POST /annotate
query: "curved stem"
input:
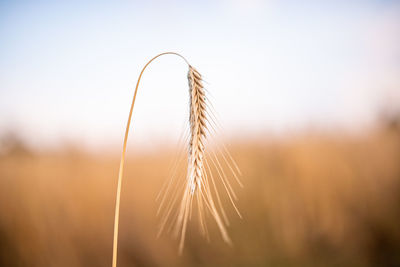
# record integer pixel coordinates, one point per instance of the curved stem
(121, 165)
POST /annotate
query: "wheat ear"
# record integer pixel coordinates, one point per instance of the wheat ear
(198, 180)
(121, 165)
(197, 120)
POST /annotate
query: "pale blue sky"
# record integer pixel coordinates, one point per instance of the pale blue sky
(67, 69)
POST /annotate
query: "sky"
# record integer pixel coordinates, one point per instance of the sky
(68, 68)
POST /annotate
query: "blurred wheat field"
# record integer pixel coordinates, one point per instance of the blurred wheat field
(308, 200)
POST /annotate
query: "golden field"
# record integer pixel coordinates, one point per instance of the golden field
(308, 200)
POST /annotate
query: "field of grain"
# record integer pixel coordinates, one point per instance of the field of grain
(308, 200)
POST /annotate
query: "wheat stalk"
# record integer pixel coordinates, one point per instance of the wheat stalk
(199, 175)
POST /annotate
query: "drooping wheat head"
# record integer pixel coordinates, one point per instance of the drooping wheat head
(199, 185)
(197, 122)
